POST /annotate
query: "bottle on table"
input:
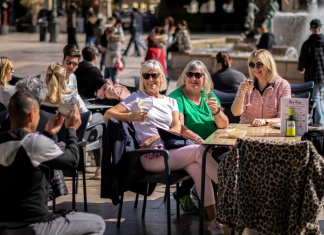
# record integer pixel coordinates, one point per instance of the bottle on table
(291, 124)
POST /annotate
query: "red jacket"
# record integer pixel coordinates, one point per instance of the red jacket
(152, 53)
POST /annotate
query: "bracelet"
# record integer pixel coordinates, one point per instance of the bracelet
(240, 98)
(198, 137)
(128, 116)
(218, 111)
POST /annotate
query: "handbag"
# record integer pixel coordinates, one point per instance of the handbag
(119, 65)
(172, 140)
(113, 91)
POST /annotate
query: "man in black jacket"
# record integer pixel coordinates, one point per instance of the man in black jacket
(25, 163)
(311, 64)
(89, 78)
(266, 39)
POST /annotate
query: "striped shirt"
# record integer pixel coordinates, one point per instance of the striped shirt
(268, 104)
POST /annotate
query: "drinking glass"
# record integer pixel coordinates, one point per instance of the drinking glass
(250, 83)
(145, 104)
(208, 96)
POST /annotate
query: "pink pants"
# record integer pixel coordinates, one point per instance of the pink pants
(188, 158)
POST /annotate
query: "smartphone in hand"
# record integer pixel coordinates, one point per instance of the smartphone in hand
(65, 108)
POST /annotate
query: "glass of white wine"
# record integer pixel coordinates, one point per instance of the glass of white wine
(145, 104)
(208, 96)
(250, 83)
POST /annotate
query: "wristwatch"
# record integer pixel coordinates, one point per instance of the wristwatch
(198, 137)
(267, 123)
(218, 111)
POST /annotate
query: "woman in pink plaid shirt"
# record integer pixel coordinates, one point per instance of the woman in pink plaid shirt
(266, 96)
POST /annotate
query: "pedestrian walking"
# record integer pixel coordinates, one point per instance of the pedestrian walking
(71, 24)
(133, 29)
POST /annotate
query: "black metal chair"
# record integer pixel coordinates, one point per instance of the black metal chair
(134, 172)
(227, 100)
(305, 95)
(3, 107)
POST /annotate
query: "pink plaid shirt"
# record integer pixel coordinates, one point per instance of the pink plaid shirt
(266, 106)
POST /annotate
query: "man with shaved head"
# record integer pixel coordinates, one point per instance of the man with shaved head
(25, 162)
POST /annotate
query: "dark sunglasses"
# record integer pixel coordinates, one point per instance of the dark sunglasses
(147, 76)
(196, 75)
(69, 62)
(259, 65)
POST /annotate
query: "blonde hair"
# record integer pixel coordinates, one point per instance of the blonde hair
(154, 65)
(6, 65)
(192, 66)
(265, 57)
(55, 83)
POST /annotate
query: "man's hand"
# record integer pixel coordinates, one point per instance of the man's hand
(54, 124)
(302, 72)
(73, 119)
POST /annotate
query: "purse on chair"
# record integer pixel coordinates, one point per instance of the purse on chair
(172, 140)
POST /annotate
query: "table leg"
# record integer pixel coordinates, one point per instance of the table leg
(202, 194)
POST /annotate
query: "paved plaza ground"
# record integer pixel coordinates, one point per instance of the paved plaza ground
(32, 57)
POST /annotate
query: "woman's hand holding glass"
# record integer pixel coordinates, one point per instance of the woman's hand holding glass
(213, 105)
(139, 116)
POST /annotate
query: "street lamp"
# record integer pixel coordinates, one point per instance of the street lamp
(54, 24)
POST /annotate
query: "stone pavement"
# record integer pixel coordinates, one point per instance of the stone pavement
(32, 57)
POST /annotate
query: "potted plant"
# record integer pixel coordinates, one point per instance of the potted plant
(34, 6)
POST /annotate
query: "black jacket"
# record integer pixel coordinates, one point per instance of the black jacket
(25, 165)
(89, 78)
(119, 138)
(266, 41)
(227, 79)
(312, 59)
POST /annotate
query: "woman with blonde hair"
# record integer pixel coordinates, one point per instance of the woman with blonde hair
(266, 96)
(6, 71)
(165, 114)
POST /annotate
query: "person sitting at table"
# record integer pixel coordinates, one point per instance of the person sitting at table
(227, 78)
(165, 114)
(57, 93)
(266, 96)
(193, 83)
(6, 71)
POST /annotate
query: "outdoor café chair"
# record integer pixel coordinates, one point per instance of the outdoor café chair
(226, 100)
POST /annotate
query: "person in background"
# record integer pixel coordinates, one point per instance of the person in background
(86, 17)
(169, 29)
(71, 24)
(70, 62)
(97, 31)
(119, 28)
(266, 39)
(110, 23)
(140, 29)
(6, 72)
(155, 51)
(133, 29)
(113, 53)
(269, 88)
(226, 78)
(194, 111)
(89, 78)
(311, 64)
(104, 41)
(90, 30)
(161, 36)
(181, 42)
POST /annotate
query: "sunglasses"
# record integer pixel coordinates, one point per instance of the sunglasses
(196, 75)
(147, 76)
(259, 65)
(69, 63)
(149, 62)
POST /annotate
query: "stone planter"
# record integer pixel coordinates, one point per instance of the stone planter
(4, 29)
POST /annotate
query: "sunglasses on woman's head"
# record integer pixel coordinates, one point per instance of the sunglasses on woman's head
(259, 65)
(196, 75)
(149, 61)
(69, 62)
(147, 76)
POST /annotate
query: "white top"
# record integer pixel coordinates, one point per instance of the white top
(73, 84)
(5, 94)
(159, 116)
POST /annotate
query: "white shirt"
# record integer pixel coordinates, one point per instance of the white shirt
(160, 114)
(5, 94)
(73, 84)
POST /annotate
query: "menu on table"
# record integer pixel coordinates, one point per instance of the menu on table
(300, 106)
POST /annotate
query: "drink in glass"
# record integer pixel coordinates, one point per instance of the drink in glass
(250, 83)
(208, 96)
(145, 104)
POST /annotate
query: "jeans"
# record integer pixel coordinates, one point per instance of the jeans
(72, 36)
(318, 96)
(90, 40)
(132, 40)
(77, 223)
(111, 73)
(138, 40)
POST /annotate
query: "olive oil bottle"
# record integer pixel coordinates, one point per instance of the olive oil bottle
(291, 124)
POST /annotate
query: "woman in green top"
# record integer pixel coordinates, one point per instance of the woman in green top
(194, 111)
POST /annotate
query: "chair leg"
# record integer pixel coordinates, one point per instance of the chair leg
(136, 200)
(165, 195)
(54, 204)
(167, 191)
(178, 207)
(84, 190)
(73, 191)
(145, 199)
(77, 183)
(120, 207)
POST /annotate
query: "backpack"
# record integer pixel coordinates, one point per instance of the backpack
(113, 91)
(317, 138)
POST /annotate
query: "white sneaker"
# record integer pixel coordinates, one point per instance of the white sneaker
(97, 175)
(215, 228)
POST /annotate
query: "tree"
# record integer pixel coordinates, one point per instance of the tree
(34, 6)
